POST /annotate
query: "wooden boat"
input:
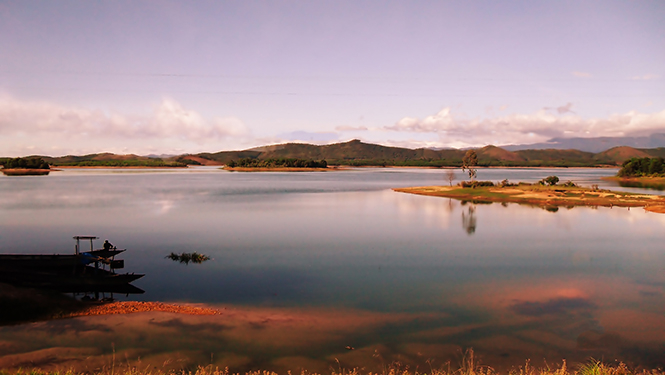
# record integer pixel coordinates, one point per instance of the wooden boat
(79, 271)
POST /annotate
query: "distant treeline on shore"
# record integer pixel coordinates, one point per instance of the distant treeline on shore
(357, 153)
(156, 163)
(24, 163)
(643, 167)
(277, 163)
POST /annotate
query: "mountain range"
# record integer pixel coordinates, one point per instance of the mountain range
(357, 153)
(596, 144)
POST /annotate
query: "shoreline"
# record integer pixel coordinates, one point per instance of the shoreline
(544, 196)
(130, 307)
(25, 171)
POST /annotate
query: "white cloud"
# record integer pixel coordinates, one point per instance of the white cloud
(458, 131)
(646, 77)
(582, 74)
(47, 127)
(308, 137)
(346, 128)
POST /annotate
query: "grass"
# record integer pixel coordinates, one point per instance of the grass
(544, 196)
(657, 183)
(468, 366)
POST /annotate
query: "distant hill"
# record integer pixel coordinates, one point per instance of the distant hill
(110, 160)
(357, 153)
(596, 144)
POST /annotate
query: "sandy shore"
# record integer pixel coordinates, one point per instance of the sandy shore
(129, 307)
(544, 196)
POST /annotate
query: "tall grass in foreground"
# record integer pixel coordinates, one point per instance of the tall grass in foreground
(467, 367)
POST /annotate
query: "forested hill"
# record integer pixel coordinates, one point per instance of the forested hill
(357, 153)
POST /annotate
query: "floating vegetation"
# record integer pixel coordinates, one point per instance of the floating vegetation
(188, 257)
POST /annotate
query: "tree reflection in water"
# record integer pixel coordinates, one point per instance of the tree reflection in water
(469, 220)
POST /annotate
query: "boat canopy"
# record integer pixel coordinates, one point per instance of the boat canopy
(78, 238)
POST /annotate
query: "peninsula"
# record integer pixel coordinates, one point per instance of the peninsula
(548, 197)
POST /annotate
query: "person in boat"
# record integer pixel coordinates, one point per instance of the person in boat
(107, 245)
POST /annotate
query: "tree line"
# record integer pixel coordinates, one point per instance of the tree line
(24, 163)
(643, 167)
(277, 163)
(122, 163)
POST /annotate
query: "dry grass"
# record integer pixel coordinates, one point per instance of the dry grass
(544, 196)
(468, 366)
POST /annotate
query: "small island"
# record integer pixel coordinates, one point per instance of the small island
(546, 194)
(276, 165)
(32, 166)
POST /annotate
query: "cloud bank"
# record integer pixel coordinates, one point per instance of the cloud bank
(41, 127)
(459, 131)
(30, 127)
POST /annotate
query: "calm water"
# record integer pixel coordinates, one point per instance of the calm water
(308, 263)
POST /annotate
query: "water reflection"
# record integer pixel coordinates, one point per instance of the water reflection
(309, 264)
(637, 184)
(469, 219)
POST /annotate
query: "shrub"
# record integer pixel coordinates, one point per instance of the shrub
(549, 181)
(505, 183)
(475, 184)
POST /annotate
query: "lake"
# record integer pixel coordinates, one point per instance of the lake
(305, 265)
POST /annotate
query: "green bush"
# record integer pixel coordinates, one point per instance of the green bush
(549, 181)
(25, 163)
(276, 163)
(475, 184)
(639, 167)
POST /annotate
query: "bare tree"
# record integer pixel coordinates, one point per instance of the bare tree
(450, 175)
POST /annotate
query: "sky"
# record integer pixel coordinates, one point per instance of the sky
(174, 77)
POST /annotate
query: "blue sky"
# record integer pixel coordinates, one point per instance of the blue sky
(175, 77)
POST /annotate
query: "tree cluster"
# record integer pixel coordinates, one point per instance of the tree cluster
(642, 167)
(549, 181)
(123, 163)
(25, 163)
(277, 163)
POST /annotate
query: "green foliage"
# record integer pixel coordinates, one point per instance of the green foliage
(277, 163)
(469, 161)
(155, 163)
(186, 258)
(25, 163)
(549, 181)
(506, 183)
(185, 160)
(475, 184)
(643, 167)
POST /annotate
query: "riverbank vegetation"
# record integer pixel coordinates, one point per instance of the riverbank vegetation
(643, 167)
(645, 172)
(546, 193)
(147, 163)
(278, 163)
